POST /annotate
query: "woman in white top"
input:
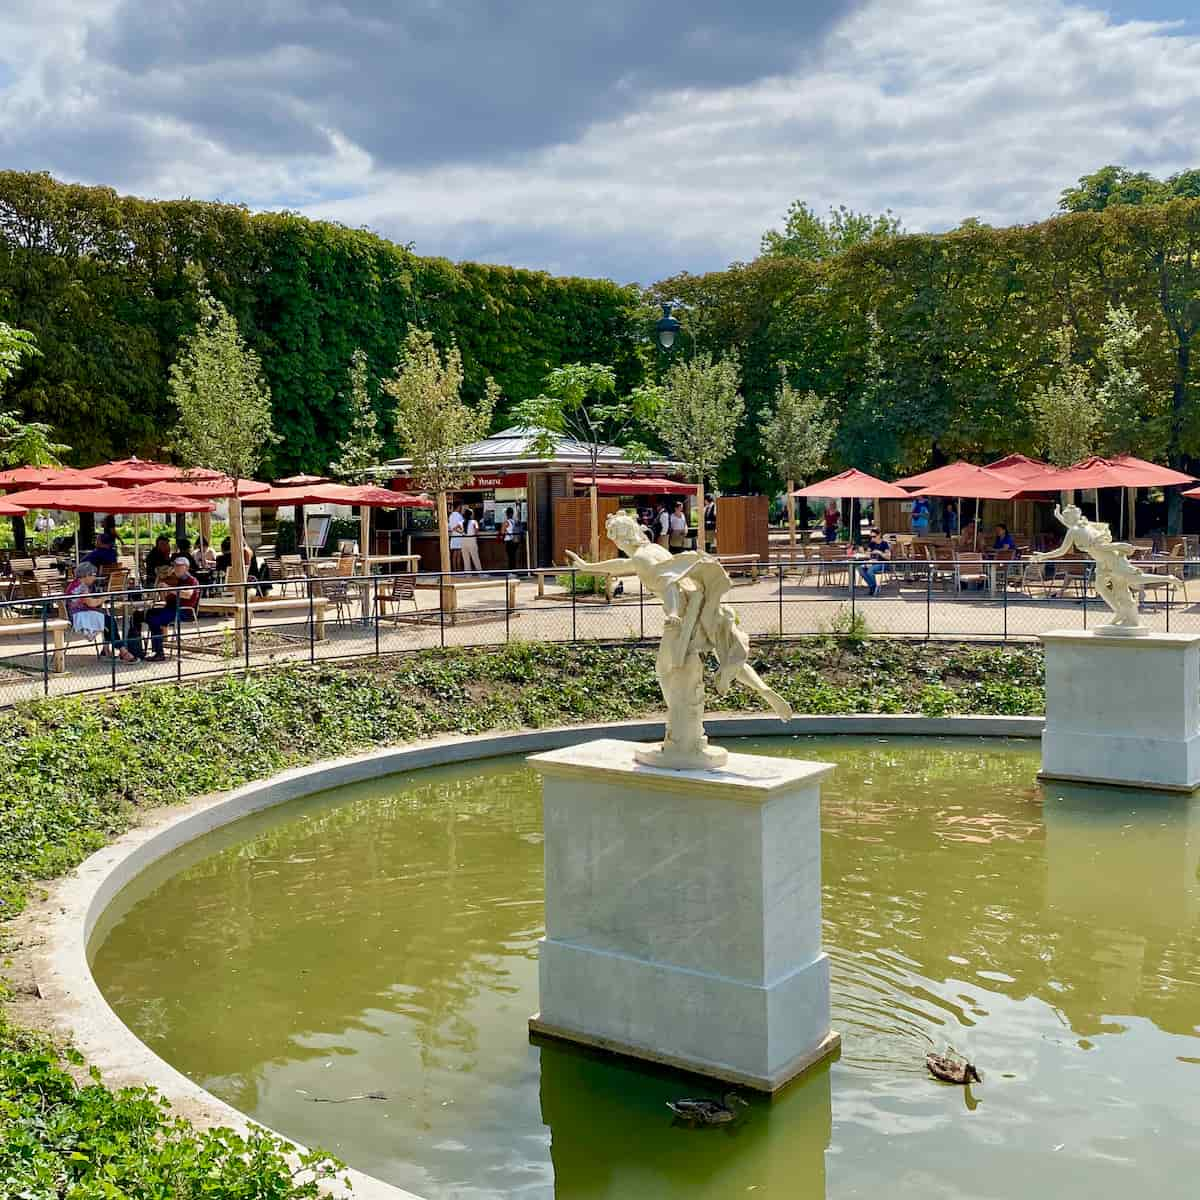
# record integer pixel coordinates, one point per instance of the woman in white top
(677, 530)
(470, 543)
(454, 528)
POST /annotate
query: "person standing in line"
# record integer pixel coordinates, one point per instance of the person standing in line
(662, 525)
(677, 530)
(455, 528)
(832, 518)
(710, 520)
(920, 516)
(470, 543)
(511, 536)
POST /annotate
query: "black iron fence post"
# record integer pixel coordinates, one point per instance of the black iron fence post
(574, 605)
(312, 622)
(113, 639)
(507, 613)
(245, 624)
(642, 609)
(853, 573)
(928, 600)
(1004, 596)
(442, 607)
(46, 650)
(178, 646)
(781, 600)
(369, 582)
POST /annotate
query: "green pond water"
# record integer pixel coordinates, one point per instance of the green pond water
(383, 938)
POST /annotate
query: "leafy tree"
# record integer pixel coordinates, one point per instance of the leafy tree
(1123, 394)
(1069, 420)
(806, 236)
(701, 410)
(433, 423)
(224, 407)
(362, 447)
(1111, 185)
(581, 401)
(796, 437)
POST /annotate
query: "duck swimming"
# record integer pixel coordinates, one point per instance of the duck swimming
(707, 1112)
(951, 1067)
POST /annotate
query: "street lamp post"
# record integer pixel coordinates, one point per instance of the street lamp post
(666, 332)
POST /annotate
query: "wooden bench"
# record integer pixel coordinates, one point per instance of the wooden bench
(543, 573)
(56, 628)
(740, 562)
(243, 612)
(450, 589)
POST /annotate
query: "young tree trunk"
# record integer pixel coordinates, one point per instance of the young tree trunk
(791, 515)
(594, 498)
(237, 544)
(1179, 399)
(443, 533)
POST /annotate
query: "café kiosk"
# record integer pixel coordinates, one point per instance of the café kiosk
(507, 473)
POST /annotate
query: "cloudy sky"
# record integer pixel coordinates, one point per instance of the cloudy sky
(633, 141)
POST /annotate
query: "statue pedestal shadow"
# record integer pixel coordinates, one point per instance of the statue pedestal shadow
(683, 913)
(1123, 710)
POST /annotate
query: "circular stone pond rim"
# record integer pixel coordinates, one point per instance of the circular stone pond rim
(77, 1011)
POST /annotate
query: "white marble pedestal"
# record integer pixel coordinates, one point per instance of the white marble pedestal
(683, 912)
(1123, 710)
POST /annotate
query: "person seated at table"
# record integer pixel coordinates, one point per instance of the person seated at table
(105, 552)
(85, 608)
(183, 549)
(181, 598)
(158, 556)
(878, 552)
(206, 556)
(1004, 539)
(254, 569)
(966, 539)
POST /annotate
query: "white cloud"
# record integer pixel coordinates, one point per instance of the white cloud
(985, 108)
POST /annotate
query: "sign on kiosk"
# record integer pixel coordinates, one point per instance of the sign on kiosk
(477, 483)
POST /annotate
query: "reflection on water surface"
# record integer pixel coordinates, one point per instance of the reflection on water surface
(383, 938)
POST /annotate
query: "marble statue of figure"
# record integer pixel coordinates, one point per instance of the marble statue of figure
(1118, 581)
(696, 620)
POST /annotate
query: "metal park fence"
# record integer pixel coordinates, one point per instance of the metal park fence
(311, 618)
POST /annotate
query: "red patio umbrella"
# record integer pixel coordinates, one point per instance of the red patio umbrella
(634, 485)
(853, 485)
(1121, 471)
(965, 481)
(210, 487)
(301, 480)
(104, 499)
(7, 509)
(1019, 466)
(61, 477)
(106, 470)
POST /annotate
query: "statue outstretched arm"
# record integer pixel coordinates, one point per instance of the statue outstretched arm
(606, 566)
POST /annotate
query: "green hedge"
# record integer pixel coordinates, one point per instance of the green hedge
(102, 280)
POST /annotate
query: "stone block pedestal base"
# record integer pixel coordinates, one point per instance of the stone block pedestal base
(683, 913)
(1123, 711)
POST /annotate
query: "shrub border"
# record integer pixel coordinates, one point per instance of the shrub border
(73, 1007)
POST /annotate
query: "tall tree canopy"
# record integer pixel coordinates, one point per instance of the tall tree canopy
(808, 236)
